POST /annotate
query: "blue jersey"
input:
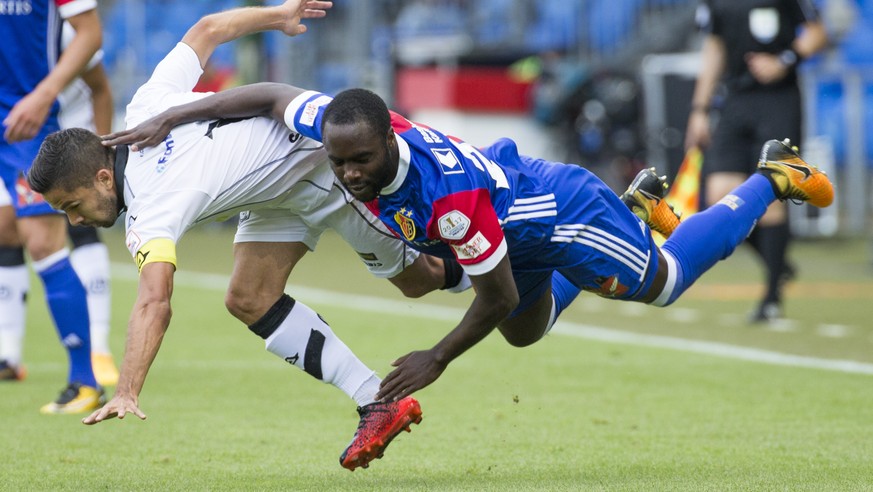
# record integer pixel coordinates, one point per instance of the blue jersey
(452, 200)
(30, 42)
(30, 45)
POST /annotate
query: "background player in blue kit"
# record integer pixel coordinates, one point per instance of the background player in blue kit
(34, 72)
(85, 103)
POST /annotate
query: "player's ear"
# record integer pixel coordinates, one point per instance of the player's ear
(104, 178)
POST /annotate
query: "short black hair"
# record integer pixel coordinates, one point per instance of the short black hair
(68, 159)
(353, 105)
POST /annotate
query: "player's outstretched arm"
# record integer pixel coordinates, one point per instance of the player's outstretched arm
(216, 29)
(267, 99)
(496, 297)
(207, 34)
(148, 323)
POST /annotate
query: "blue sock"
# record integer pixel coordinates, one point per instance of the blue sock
(563, 293)
(67, 302)
(712, 235)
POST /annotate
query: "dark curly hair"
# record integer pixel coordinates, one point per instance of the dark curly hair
(353, 105)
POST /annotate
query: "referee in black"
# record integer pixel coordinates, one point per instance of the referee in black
(754, 48)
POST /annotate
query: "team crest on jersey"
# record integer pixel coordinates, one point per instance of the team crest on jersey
(608, 287)
(403, 217)
(449, 162)
(454, 225)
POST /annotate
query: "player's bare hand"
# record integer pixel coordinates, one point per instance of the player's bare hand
(302, 9)
(413, 372)
(147, 134)
(119, 406)
(27, 116)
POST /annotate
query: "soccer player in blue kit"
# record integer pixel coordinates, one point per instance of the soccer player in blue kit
(531, 234)
(34, 72)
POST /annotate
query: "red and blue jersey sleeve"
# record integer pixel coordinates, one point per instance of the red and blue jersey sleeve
(70, 8)
(304, 113)
(467, 222)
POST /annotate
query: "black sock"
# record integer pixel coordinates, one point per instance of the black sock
(454, 273)
(772, 244)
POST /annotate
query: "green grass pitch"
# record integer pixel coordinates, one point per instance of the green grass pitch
(569, 413)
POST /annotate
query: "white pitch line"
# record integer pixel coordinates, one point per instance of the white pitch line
(419, 309)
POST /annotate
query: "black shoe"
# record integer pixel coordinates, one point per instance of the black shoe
(9, 372)
(767, 312)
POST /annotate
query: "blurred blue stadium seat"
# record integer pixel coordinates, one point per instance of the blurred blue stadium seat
(830, 119)
(556, 27)
(493, 22)
(611, 22)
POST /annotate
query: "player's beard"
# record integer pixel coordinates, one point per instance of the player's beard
(108, 211)
(381, 177)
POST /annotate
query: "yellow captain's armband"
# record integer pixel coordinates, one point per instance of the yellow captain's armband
(160, 249)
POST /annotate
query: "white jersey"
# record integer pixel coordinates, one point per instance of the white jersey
(210, 170)
(77, 110)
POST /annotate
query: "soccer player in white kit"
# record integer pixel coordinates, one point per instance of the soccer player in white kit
(212, 170)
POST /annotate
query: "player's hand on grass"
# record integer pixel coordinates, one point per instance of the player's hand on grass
(414, 371)
(118, 406)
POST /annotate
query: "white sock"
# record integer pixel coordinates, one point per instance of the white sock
(14, 283)
(306, 341)
(91, 263)
(553, 316)
(366, 394)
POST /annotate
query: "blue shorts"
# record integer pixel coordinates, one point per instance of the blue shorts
(597, 243)
(15, 160)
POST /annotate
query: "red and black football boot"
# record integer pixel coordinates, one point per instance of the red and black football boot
(380, 423)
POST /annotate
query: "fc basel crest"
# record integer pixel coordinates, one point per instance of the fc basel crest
(403, 217)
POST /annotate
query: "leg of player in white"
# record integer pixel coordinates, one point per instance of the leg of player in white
(268, 245)
(14, 283)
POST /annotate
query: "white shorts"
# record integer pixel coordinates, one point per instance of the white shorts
(384, 254)
(5, 197)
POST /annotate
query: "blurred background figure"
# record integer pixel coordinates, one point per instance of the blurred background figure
(35, 71)
(755, 47)
(84, 103)
(87, 103)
